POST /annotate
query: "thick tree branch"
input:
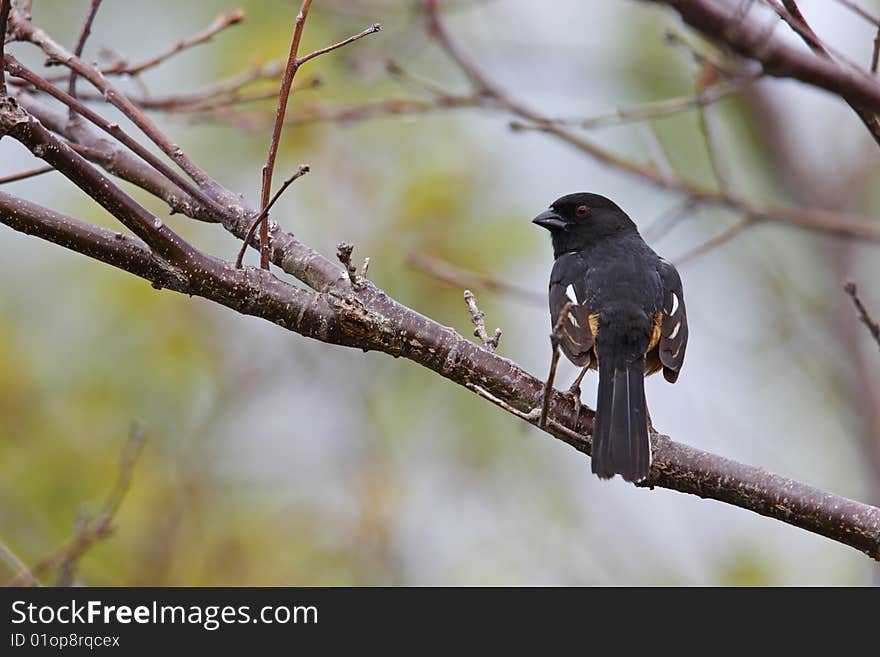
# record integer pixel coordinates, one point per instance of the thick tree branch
(745, 36)
(26, 31)
(78, 109)
(368, 319)
(799, 24)
(19, 124)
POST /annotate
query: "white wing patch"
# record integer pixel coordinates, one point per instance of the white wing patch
(569, 292)
(674, 305)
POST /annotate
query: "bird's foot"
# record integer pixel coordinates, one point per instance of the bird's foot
(545, 409)
(575, 393)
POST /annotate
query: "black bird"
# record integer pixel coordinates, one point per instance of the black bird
(626, 318)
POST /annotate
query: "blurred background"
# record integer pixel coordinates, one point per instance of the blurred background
(274, 460)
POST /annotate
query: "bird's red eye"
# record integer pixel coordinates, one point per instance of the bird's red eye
(582, 211)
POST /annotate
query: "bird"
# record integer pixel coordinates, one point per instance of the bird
(616, 307)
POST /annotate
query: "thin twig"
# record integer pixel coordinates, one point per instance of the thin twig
(478, 317)
(875, 56)
(343, 254)
(456, 276)
(852, 6)
(23, 574)
(93, 532)
(17, 69)
(302, 170)
(661, 108)
(532, 417)
(80, 45)
(118, 99)
(669, 219)
(719, 240)
(283, 96)
(212, 97)
(220, 23)
(711, 140)
(873, 326)
(30, 173)
(657, 151)
(5, 5)
(315, 113)
(375, 27)
(67, 568)
(809, 218)
(290, 69)
(704, 57)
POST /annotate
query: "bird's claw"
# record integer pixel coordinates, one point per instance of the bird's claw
(575, 393)
(545, 408)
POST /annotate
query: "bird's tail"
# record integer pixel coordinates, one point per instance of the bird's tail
(620, 437)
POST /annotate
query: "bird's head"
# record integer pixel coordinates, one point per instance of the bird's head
(577, 221)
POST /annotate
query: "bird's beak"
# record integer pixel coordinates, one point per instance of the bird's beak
(550, 220)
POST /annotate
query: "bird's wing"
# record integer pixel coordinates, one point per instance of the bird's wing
(576, 331)
(673, 324)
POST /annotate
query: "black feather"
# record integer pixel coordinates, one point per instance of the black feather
(621, 444)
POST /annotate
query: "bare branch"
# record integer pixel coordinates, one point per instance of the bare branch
(5, 6)
(287, 252)
(31, 133)
(661, 108)
(364, 317)
(842, 225)
(302, 170)
(343, 254)
(745, 37)
(23, 574)
(478, 317)
(718, 240)
(283, 96)
(88, 533)
(377, 322)
(866, 319)
(220, 23)
(456, 276)
(375, 27)
(81, 44)
(808, 218)
(322, 113)
(875, 56)
(290, 70)
(852, 6)
(799, 24)
(30, 173)
(114, 96)
(17, 69)
(116, 159)
(117, 249)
